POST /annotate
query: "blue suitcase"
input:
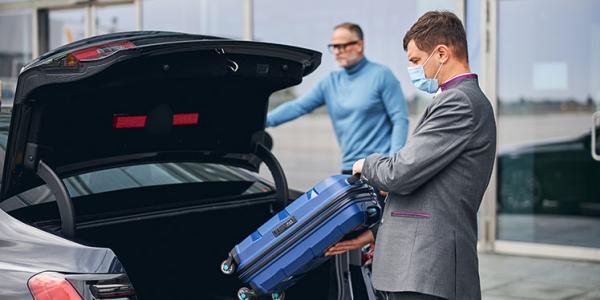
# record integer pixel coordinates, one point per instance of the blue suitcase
(293, 241)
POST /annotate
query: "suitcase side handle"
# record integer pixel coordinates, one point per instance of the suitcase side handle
(354, 178)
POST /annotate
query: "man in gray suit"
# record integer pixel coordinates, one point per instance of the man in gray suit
(427, 239)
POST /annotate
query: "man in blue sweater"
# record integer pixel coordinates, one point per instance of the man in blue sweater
(364, 101)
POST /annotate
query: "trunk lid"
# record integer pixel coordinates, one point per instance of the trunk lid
(142, 97)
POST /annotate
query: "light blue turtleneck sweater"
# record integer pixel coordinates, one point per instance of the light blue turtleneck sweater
(366, 106)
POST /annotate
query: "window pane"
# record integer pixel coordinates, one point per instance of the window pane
(209, 17)
(15, 26)
(548, 89)
(115, 18)
(66, 26)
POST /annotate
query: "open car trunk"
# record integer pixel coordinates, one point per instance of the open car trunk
(141, 98)
(178, 257)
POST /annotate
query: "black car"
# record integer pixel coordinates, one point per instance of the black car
(131, 169)
(559, 177)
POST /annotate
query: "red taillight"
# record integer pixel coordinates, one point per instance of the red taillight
(52, 286)
(129, 121)
(185, 119)
(97, 52)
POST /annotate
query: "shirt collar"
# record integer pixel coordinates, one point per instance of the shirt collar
(456, 79)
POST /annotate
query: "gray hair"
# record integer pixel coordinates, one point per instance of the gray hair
(354, 28)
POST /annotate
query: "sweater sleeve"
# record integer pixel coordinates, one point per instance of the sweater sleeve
(298, 107)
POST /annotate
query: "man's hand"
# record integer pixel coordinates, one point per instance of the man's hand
(355, 243)
(358, 166)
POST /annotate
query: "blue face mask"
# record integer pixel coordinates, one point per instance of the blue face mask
(418, 79)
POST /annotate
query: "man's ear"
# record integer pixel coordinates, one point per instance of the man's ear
(361, 44)
(444, 53)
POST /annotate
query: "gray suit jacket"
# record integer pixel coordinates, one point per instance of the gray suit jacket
(427, 240)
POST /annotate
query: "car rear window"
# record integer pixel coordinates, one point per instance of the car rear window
(4, 124)
(148, 175)
(159, 174)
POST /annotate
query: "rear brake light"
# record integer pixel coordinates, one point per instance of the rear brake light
(97, 52)
(140, 121)
(185, 119)
(52, 286)
(129, 121)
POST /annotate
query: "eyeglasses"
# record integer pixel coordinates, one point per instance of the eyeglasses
(341, 47)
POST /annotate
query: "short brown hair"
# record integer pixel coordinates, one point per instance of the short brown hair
(439, 27)
(354, 28)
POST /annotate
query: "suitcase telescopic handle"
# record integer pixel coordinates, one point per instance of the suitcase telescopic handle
(354, 178)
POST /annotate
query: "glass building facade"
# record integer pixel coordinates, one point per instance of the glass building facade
(541, 73)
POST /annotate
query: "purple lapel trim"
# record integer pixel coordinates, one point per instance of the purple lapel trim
(410, 214)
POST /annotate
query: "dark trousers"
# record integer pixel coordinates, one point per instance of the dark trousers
(408, 296)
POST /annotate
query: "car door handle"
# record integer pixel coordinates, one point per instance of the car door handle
(595, 119)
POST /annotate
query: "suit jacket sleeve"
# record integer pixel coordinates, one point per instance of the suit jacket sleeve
(438, 140)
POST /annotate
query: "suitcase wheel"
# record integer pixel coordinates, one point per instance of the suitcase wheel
(246, 294)
(227, 267)
(278, 296)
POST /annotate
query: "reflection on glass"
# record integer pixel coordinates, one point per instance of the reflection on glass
(66, 26)
(158, 174)
(549, 176)
(236, 181)
(221, 18)
(597, 124)
(548, 89)
(117, 18)
(15, 50)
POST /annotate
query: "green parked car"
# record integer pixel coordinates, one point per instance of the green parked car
(558, 177)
